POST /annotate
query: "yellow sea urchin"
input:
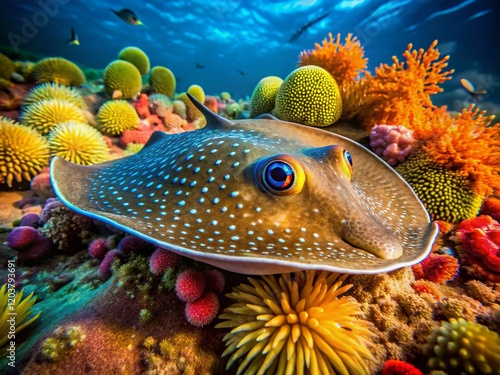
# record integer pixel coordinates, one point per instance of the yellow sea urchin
(59, 70)
(23, 152)
(264, 95)
(116, 116)
(309, 96)
(54, 91)
(120, 75)
(79, 143)
(20, 307)
(296, 325)
(162, 80)
(44, 115)
(137, 57)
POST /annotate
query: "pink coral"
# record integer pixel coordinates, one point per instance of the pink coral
(105, 270)
(190, 285)
(155, 123)
(203, 310)
(211, 103)
(141, 106)
(480, 246)
(161, 260)
(98, 248)
(391, 143)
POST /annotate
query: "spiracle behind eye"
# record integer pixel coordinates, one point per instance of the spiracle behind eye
(278, 175)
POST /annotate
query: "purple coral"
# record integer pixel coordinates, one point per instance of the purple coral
(30, 220)
(30, 244)
(98, 248)
(136, 245)
(392, 143)
(105, 268)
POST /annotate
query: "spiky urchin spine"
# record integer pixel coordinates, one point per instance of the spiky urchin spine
(116, 116)
(296, 325)
(79, 143)
(445, 194)
(59, 70)
(52, 90)
(23, 152)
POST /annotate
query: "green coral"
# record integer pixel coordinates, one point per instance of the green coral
(264, 95)
(445, 194)
(122, 76)
(61, 343)
(55, 91)
(309, 96)
(45, 115)
(59, 70)
(12, 302)
(137, 57)
(162, 80)
(116, 116)
(7, 67)
(463, 347)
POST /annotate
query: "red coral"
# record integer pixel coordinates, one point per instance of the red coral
(491, 206)
(438, 268)
(395, 367)
(203, 310)
(480, 246)
(424, 286)
(141, 105)
(135, 136)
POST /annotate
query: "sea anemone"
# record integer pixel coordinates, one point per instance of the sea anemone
(59, 70)
(197, 92)
(79, 143)
(296, 324)
(57, 91)
(460, 346)
(309, 96)
(7, 67)
(122, 76)
(116, 116)
(162, 80)
(19, 307)
(137, 57)
(45, 115)
(23, 152)
(446, 194)
(264, 95)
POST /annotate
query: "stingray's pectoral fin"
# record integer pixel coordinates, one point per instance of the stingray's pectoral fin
(372, 237)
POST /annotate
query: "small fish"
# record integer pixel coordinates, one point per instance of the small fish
(199, 66)
(128, 16)
(300, 31)
(241, 72)
(74, 38)
(475, 93)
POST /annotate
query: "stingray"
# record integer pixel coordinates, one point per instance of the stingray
(257, 196)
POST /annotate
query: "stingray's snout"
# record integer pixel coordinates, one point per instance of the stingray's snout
(373, 237)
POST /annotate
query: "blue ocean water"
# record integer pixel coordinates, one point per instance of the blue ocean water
(238, 42)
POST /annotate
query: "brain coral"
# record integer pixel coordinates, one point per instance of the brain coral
(79, 143)
(309, 96)
(122, 76)
(52, 90)
(59, 70)
(264, 95)
(296, 325)
(162, 80)
(116, 116)
(23, 152)
(446, 194)
(462, 347)
(44, 115)
(137, 57)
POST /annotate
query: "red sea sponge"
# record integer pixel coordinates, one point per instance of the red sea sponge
(438, 268)
(491, 207)
(161, 260)
(30, 244)
(203, 310)
(211, 103)
(480, 246)
(141, 106)
(105, 270)
(214, 280)
(133, 244)
(98, 248)
(395, 367)
(190, 285)
(392, 143)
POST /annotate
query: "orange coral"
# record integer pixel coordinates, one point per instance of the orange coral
(399, 94)
(438, 268)
(424, 286)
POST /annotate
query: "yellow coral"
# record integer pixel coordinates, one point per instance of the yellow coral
(124, 77)
(116, 116)
(59, 70)
(198, 92)
(137, 57)
(264, 95)
(162, 80)
(54, 91)
(296, 325)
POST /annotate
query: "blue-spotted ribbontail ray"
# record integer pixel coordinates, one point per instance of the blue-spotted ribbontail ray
(257, 197)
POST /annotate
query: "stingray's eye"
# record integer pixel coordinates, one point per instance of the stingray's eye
(281, 175)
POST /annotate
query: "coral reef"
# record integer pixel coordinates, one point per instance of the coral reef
(45, 115)
(30, 244)
(161, 260)
(137, 57)
(63, 339)
(190, 285)
(42, 186)
(214, 280)
(211, 103)
(491, 207)
(23, 152)
(134, 245)
(203, 310)
(162, 80)
(106, 265)
(193, 115)
(198, 92)
(78, 143)
(459, 346)
(309, 96)
(141, 105)
(12, 302)
(438, 268)
(116, 116)
(391, 143)
(264, 96)
(277, 324)
(98, 248)
(57, 91)
(59, 70)
(122, 77)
